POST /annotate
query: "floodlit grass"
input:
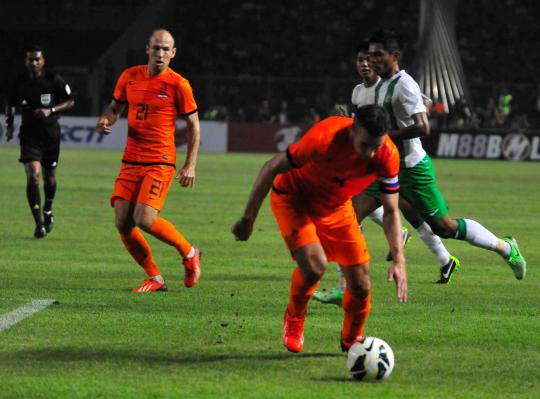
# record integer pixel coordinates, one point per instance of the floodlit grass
(476, 338)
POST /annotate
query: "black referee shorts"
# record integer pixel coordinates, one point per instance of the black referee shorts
(40, 144)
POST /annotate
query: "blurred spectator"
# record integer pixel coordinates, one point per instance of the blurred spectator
(340, 108)
(490, 116)
(312, 117)
(263, 112)
(439, 114)
(504, 105)
(520, 122)
(283, 114)
(537, 109)
(239, 115)
(210, 114)
(216, 113)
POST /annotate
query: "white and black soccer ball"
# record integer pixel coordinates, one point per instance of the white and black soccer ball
(370, 360)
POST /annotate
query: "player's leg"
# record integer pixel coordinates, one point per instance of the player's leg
(311, 261)
(429, 201)
(448, 264)
(150, 199)
(419, 188)
(356, 304)
(147, 219)
(137, 246)
(365, 204)
(49, 188)
(476, 234)
(49, 163)
(344, 243)
(300, 236)
(33, 173)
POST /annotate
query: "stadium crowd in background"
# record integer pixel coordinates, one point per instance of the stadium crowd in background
(233, 71)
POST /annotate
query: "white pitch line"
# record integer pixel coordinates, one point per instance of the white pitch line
(10, 319)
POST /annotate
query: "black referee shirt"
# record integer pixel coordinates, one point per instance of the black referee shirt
(43, 92)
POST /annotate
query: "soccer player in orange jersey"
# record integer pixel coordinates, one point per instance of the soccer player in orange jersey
(312, 186)
(155, 96)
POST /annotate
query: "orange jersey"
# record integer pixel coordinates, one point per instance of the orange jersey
(328, 172)
(155, 102)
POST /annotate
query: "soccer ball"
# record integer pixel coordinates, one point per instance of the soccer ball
(370, 360)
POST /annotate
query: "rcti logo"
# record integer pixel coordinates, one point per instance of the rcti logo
(516, 147)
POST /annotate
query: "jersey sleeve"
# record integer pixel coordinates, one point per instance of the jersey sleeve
(63, 91)
(119, 94)
(410, 98)
(185, 102)
(308, 148)
(388, 170)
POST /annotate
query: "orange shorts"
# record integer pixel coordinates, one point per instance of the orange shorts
(145, 184)
(337, 231)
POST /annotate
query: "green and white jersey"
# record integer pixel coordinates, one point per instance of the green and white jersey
(363, 95)
(400, 96)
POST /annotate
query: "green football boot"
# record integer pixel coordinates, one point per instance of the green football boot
(447, 270)
(333, 297)
(515, 260)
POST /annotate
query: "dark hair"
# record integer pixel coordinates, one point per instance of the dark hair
(389, 39)
(34, 48)
(373, 118)
(363, 46)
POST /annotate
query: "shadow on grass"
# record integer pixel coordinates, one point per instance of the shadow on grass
(247, 277)
(111, 355)
(336, 379)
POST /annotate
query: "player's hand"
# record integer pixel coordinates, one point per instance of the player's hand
(397, 273)
(427, 103)
(102, 126)
(341, 111)
(242, 229)
(42, 113)
(186, 176)
(9, 132)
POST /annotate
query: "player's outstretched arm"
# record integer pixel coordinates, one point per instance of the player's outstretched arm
(186, 175)
(392, 230)
(109, 117)
(279, 164)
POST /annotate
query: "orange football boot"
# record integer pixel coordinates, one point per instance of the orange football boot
(150, 285)
(192, 268)
(293, 333)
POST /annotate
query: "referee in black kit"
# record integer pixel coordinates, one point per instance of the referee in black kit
(42, 95)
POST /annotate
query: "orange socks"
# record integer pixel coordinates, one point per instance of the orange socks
(164, 231)
(139, 249)
(356, 313)
(301, 293)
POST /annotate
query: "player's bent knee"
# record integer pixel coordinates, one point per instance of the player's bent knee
(32, 178)
(443, 230)
(360, 288)
(313, 274)
(143, 220)
(123, 226)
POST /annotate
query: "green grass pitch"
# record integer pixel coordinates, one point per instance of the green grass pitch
(478, 337)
